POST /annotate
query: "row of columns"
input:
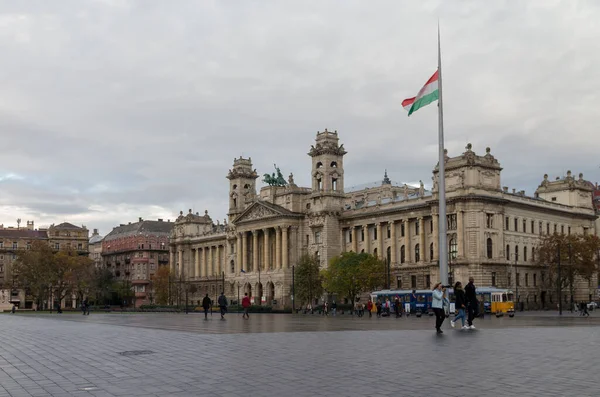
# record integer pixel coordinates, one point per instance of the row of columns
(407, 240)
(201, 261)
(280, 258)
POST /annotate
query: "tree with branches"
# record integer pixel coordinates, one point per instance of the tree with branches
(351, 274)
(578, 256)
(308, 280)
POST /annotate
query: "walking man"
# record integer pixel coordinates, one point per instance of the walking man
(246, 306)
(223, 305)
(206, 303)
(333, 308)
(397, 307)
(472, 303)
(437, 304)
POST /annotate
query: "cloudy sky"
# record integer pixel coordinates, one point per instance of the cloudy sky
(113, 110)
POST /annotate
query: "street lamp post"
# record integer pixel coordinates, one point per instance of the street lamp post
(293, 289)
(559, 285)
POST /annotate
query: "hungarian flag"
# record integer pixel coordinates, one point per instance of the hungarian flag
(426, 95)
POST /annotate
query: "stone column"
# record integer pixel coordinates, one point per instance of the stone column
(238, 264)
(423, 249)
(210, 264)
(255, 263)
(245, 251)
(205, 261)
(266, 249)
(197, 262)
(407, 242)
(343, 240)
(367, 239)
(277, 248)
(394, 259)
(354, 232)
(218, 260)
(436, 238)
(180, 270)
(460, 231)
(284, 247)
(380, 240)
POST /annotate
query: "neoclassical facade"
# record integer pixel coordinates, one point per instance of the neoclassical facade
(492, 232)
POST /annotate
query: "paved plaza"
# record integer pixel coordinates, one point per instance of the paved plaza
(303, 355)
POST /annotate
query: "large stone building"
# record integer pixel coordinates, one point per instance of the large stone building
(133, 253)
(14, 239)
(95, 249)
(492, 232)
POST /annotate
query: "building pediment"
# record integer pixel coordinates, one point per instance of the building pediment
(260, 210)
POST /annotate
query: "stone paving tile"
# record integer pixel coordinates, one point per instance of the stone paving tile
(334, 357)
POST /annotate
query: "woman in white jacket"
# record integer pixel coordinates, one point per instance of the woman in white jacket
(437, 304)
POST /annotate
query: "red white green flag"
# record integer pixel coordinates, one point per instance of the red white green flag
(426, 95)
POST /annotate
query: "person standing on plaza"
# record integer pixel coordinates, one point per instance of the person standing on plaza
(325, 309)
(85, 307)
(333, 308)
(378, 305)
(223, 305)
(206, 303)
(370, 308)
(437, 304)
(460, 303)
(246, 305)
(472, 303)
(397, 306)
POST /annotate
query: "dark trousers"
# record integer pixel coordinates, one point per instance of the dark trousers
(206, 313)
(471, 315)
(223, 310)
(397, 310)
(440, 316)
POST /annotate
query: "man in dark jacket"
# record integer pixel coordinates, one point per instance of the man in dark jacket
(223, 305)
(472, 304)
(206, 306)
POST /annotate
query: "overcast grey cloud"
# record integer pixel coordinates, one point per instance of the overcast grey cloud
(111, 110)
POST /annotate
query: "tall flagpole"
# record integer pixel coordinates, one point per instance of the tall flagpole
(443, 245)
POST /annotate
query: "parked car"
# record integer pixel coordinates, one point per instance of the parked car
(592, 306)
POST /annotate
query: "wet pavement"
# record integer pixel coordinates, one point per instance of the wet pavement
(155, 354)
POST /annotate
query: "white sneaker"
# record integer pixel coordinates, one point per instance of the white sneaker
(465, 327)
(472, 327)
(452, 323)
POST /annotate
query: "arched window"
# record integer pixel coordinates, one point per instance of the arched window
(417, 253)
(507, 252)
(402, 254)
(319, 164)
(334, 164)
(516, 252)
(489, 248)
(234, 187)
(319, 184)
(525, 254)
(334, 183)
(452, 249)
(431, 252)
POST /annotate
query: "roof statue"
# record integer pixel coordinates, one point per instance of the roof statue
(276, 179)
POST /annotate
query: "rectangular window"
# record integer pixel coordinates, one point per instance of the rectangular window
(402, 229)
(56, 246)
(507, 223)
(431, 226)
(518, 279)
(540, 231)
(427, 281)
(489, 221)
(307, 239)
(1, 244)
(389, 231)
(524, 226)
(413, 282)
(318, 237)
(493, 279)
(562, 229)
(399, 282)
(527, 279)
(28, 246)
(534, 280)
(79, 246)
(532, 226)
(516, 225)
(569, 230)
(555, 228)
(15, 245)
(548, 228)
(350, 235)
(417, 227)
(362, 234)
(509, 279)
(451, 221)
(375, 233)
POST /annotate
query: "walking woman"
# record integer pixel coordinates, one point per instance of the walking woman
(438, 307)
(460, 303)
